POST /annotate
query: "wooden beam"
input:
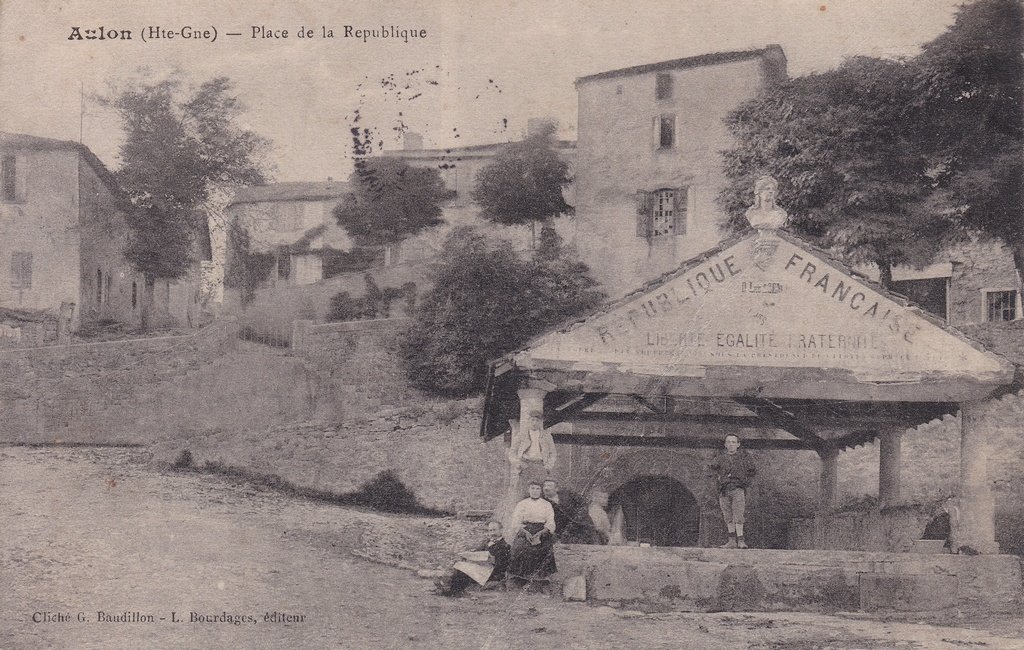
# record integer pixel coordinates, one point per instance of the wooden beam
(646, 403)
(783, 419)
(854, 439)
(615, 416)
(674, 441)
(571, 408)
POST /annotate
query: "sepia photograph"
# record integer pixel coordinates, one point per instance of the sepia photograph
(509, 325)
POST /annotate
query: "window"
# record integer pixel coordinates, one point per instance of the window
(1001, 305)
(135, 294)
(21, 270)
(663, 86)
(99, 287)
(284, 265)
(9, 174)
(662, 212)
(665, 131)
(107, 288)
(929, 293)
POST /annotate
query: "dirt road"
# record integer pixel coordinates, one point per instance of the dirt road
(151, 559)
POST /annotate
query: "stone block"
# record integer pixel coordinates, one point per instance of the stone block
(908, 593)
(575, 589)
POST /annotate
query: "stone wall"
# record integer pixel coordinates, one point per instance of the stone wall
(99, 392)
(978, 267)
(364, 419)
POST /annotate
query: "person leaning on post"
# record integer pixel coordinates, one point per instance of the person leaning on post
(733, 470)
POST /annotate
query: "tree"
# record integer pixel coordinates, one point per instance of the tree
(970, 110)
(524, 183)
(391, 200)
(486, 301)
(889, 161)
(180, 144)
(840, 144)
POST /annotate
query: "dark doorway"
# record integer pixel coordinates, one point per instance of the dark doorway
(658, 510)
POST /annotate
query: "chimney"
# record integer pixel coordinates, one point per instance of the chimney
(412, 141)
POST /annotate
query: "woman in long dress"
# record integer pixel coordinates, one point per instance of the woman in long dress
(533, 524)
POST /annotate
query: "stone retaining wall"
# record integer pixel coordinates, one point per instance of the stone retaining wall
(96, 392)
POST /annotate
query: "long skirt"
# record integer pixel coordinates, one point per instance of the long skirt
(532, 562)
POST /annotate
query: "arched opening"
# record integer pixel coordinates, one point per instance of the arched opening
(658, 510)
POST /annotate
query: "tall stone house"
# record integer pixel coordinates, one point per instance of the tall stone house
(61, 240)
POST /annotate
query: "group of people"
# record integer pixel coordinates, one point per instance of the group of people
(541, 518)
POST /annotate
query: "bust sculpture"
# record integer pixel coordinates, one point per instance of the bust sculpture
(765, 214)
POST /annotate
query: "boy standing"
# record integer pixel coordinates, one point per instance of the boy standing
(734, 470)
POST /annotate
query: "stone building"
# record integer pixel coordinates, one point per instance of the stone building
(649, 167)
(293, 221)
(459, 167)
(61, 236)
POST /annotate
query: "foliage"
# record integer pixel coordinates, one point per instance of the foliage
(374, 303)
(359, 258)
(391, 200)
(524, 183)
(245, 269)
(839, 145)
(486, 301)
(180, 143)
(970, 112)
(887, 161)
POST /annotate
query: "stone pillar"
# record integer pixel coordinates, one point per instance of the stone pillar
(826, 494)
(889, 448)
(977, 521)
(829, 480)
(521, 468)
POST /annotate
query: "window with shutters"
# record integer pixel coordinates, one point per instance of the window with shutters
(21, 270)
(663, 86)
(662, 212)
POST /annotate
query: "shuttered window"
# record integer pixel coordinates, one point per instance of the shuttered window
(663, 86)
(9, 174)
(662, 212)
(21, 270)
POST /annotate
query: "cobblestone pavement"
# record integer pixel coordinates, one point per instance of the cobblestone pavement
(92, 530)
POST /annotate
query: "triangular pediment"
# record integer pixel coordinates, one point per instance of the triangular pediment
(769, 303)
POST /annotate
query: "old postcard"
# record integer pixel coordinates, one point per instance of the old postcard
(571, 324)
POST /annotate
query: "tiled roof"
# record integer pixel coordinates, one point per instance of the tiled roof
(468, 150)
(298, 191)
(37, 143)
(688, 62)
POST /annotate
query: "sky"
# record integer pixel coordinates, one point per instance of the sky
(482, 69)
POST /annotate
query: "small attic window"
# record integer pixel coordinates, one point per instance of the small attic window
(663, 86)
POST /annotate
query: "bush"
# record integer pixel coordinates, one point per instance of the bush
(486, 301)
(385, 492)
(184, 459)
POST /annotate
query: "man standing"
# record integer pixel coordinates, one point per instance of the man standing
(734, 470)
